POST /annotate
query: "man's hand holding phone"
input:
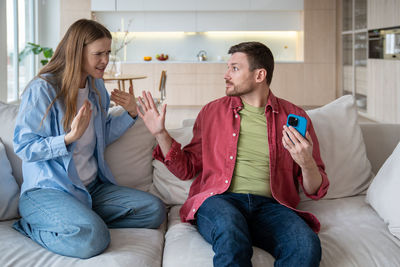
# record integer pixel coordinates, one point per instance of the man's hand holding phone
(297, 141)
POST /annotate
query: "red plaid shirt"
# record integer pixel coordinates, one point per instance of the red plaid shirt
(212, 154)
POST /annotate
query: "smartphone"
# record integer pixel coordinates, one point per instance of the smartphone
(297, 122)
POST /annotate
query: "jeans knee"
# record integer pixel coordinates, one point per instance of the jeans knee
(91, 240)
(158, 213)
(309, 249)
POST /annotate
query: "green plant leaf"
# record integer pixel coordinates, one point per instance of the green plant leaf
(47, 52)
(44, 61)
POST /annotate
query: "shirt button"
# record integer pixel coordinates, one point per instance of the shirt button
(194, 210)
(226, 181)
(212, 193)
(234, 134)
(236, 116)
(231, 157)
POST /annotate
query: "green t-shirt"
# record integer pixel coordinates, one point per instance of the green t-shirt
(252, 174)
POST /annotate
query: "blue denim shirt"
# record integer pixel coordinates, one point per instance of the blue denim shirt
(46, 161)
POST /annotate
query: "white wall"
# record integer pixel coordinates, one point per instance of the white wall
(49, 23)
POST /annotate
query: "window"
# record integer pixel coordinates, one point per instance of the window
(20, 30)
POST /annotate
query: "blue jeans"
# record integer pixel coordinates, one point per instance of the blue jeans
(63, 225)
(232, 223)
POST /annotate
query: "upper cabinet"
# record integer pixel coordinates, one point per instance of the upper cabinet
(201, 16)
(205, 5)
(103, 5)
(383, 14)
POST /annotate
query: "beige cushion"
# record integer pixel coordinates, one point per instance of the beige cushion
(342, 147)
(130, 157)
(170, 189)
(383, 194)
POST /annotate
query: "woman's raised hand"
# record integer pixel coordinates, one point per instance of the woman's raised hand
(79, 124)
(126, 100)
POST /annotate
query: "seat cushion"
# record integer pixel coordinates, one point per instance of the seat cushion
(352, 234)
(128, 247)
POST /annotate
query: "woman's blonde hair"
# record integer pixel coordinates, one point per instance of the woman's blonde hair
(66, 65)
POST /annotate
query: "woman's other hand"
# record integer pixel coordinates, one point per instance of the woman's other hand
(126, 100)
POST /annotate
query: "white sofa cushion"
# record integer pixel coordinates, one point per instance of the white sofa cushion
(130, 156)
(8, 114)
(383, 194)
(351, 235)
(128, 247)
(9, 190)
(342, 147)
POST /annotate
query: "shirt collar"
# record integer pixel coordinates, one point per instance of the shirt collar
(272, 101)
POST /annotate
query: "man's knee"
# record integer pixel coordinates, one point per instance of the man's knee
(305, 248)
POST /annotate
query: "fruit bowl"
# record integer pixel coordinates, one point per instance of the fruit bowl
(162, 57)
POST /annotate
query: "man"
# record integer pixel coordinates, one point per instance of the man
(250, 166)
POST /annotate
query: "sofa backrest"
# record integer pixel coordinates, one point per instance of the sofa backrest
(380, 140)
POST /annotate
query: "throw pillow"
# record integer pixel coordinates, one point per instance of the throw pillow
(342, 147)
(8, 115)
(130, 156)
(383, 193)
(169, 188)
(9, 190)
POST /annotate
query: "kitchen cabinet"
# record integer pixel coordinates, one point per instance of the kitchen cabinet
(383, 13)
(208, 5)
(249, 21)
(103, 5)
(383, 90)
(355, 51)
(202, 16)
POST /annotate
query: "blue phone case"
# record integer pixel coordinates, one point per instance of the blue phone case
(297, 122)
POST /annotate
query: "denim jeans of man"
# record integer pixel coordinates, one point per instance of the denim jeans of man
(232, 223)
(62, 224)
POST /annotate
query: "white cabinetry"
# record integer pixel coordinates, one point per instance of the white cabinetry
(103, 5)
(383, 13)
(200, 16)
(207, 5)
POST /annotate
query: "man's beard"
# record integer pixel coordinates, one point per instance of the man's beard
(236, 91)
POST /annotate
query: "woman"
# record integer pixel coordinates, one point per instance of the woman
(69, 197)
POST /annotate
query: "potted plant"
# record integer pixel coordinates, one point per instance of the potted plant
(36, 50)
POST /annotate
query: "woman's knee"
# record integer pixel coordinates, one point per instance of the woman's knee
(88, 240)
(157, 213)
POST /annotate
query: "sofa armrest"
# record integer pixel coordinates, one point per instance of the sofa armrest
(380, 140)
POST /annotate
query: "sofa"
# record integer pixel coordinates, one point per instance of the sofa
(360, 220)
